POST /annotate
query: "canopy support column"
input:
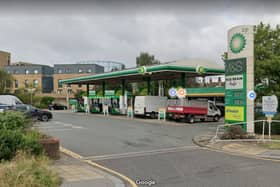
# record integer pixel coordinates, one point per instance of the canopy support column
(103, 88)
(87, 89)
(123, 87)
(183, 80)
(149, 86)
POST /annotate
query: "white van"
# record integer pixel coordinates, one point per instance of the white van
(149, 105)
(9, 100)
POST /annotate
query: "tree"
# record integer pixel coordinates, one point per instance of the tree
(5, 81)
(267, 58)
(145, 59)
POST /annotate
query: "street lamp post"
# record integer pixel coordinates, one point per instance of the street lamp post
(31, 91)
(67, 87)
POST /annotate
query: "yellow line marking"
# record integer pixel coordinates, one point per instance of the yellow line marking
(132, 183)
(77, 156)
(70, 153)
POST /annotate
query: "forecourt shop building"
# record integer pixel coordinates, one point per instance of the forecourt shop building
(176, 73)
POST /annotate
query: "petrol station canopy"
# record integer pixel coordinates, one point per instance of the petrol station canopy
(166, 71)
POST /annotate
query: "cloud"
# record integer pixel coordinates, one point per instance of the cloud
(103, 32)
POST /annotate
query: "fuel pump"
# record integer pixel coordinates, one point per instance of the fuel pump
(96, 105)
(115, 105)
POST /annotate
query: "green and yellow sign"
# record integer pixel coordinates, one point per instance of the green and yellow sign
(234, 113)
(239, 76)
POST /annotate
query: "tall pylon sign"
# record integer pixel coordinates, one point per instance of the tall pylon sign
(239, 76)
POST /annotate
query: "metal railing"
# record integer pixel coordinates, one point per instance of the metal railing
(261, 138)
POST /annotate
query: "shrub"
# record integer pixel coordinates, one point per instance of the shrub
(14, 121)
(26, 170)
(31, 143)
(46, 101)
(11, 141)
(235, 132)
(14, 140)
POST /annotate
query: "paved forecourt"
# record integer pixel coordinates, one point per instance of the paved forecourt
(92, 136)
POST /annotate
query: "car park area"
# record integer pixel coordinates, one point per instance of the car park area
(160, 153)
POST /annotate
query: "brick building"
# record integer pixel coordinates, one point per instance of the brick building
(27, 75)
(5, 59)
(66, 71)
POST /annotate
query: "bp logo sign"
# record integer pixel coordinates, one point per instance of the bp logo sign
(143, 69)
(200, 70)
(237, 43)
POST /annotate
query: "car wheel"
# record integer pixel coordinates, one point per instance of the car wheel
(191, 119)
(153, 115)
(216, 118)
(45, 118)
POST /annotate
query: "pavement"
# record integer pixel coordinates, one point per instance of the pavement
(77, 173)
(158, 154)
(251, 149)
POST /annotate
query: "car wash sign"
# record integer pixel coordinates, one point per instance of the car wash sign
(239, 76)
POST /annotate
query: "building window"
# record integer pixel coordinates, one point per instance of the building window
(16, 83)
(59, 71)
(26, 83)
(68, 70)
(26, 71)
(80, 85)
(80, 71)
(35, 83)
(89, 70)
(59, 84)
(59, 91)
(35, 71)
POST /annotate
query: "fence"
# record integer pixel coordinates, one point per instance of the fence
(222, 128)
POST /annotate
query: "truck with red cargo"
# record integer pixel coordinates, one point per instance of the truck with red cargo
(193, 110)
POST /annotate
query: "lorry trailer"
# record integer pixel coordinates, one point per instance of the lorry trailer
(192, 110)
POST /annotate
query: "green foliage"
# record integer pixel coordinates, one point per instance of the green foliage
(5, 81)
(26, 170)
(80, 94)
(267, 58)
(16, 135)
(10, 142)
(46, 101)
(145, 59)
(12, 120)
(143, 92)
(118, 92)
(14, 140)
(31, 143)
(25, 97)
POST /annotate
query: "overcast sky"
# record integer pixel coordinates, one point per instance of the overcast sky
(67, 32)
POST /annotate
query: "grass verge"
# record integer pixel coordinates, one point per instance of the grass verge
(26, 170)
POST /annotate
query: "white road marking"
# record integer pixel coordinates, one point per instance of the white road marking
(58, 126)
(54, 130)
(142, 153)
